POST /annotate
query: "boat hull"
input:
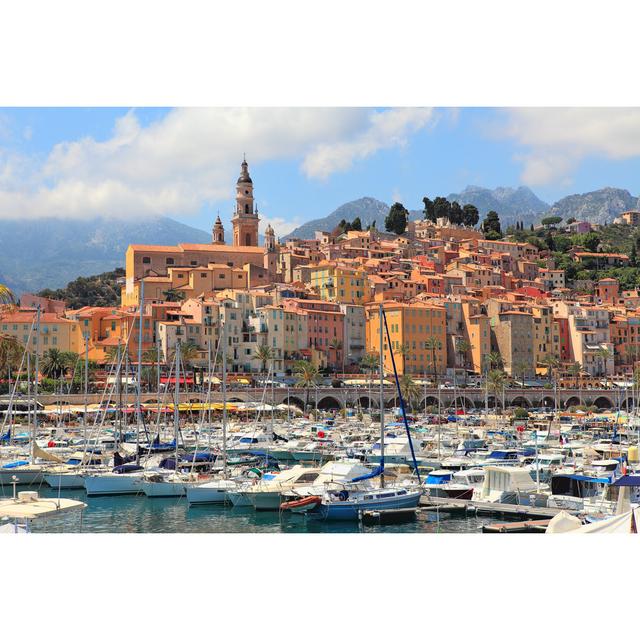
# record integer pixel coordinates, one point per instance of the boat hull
(164, 489)
(265, 500)
(351, 510)
(64, 480)
(239, 499)
(28, 476)
(113, 485)
(207, 495)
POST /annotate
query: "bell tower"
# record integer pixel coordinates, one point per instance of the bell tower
(217, 236)
(245, 219)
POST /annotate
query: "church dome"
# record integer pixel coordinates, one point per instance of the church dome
(244, 178)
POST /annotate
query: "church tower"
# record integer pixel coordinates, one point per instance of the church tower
(245, 220)
(217, 235)
(269, 239)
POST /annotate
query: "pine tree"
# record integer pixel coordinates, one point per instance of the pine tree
(396, 220)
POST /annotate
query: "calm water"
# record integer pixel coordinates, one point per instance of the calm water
(131, 514)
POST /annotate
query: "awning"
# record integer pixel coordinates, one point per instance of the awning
(628, 481)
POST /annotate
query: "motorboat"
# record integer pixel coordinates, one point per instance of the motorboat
(267, 495)
(439, 484)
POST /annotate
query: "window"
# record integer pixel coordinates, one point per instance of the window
(203, 275)
(170, 261)
(146, 260)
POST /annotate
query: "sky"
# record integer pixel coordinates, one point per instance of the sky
(126, 163)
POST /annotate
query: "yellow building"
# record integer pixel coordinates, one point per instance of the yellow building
(421, 327)
(478, 334)
(336, 283)
(56, 332)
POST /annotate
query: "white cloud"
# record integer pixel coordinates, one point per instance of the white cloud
(396, 196)
(281, 226)
(558, 139)
(386, 129)
(190, 158)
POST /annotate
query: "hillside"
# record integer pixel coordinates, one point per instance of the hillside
(102, 290)
(49, 252)
(512, 205)
(600, 206)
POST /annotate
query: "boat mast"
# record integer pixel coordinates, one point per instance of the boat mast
(176, 402)
(119, 393)
(86, 385)
(35, 388)
(381, 320)
(139, 381)
(224, 398)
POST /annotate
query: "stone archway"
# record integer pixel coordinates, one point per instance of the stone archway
(329, 403)
(602, 402)
(573, 401)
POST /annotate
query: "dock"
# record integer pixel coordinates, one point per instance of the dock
(528, 526)
(454, 505)
(388, 516)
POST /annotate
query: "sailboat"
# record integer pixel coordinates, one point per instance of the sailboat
(346, 500)
(217, 491)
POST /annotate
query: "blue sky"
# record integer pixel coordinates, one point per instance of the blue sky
(82, 162)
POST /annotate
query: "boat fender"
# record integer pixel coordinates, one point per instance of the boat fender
(343, 495)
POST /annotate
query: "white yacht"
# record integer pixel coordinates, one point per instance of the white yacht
(267, 495)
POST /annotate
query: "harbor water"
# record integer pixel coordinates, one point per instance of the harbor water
(139, 514)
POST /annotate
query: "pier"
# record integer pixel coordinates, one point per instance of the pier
(490, 508)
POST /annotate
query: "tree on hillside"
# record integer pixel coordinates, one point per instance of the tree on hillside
(491, 226)
(356, 225)
(456, 213)
(396, 220)
(471, 215)
(429, 210)
(551, 221)
(441, 208)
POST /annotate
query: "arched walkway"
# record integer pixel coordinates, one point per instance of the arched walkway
(520, 401)
(329, 403)
(295, 401)
(573, 401)
(603, 403)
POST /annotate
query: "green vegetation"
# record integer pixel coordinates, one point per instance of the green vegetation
(613, 238)
(491, 226)
(102, 290)
(396, 220)
(441, 208)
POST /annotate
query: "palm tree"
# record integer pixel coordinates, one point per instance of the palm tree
(494, 360)
(575, 370)
(496, 380)
(410, 391)
(336, 345)
(462, 349)
(307, 376)
(551, 363)
(432, 344)
(6, 296)
(189, 353)
(632, 353)
(521, 369)
(370, 362)
(403, 351)
(54, 363)
(264, 353)
(603, 354)
(11, 353)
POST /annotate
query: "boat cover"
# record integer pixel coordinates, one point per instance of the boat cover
(376, 472)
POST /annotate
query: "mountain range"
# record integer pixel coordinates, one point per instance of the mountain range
(50, 252)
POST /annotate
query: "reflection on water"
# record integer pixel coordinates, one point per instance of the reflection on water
(131, 514)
